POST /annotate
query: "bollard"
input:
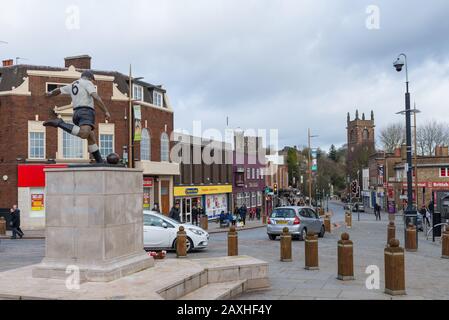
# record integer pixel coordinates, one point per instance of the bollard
(2, 226)
(348, 219)
(394, 269)
(345, 258)
(264, 219)
(233, 244)
(391, 232)
(181, 243)
(410, 239)
(311, 251)
(445, 244)
(286, 246)
(327, 223)
(204, 222)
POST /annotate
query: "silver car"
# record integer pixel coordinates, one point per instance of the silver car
(298, 220)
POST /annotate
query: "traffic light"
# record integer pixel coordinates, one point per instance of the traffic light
(354, 188)
(275, 188)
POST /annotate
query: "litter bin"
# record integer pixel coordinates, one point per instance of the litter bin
(411, 217)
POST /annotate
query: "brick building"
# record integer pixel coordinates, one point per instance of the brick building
(388, 177)
(248, 165)
(26, 147)
(206, 176)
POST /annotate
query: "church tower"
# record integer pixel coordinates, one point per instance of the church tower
(361, 138)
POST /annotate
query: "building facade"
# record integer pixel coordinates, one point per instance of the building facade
(248, 165)
(206, 176)
(388, 178)
(27, 147)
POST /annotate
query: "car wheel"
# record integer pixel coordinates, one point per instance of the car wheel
(190, 246)
(303, 235)
(322, 232)
(272, 236)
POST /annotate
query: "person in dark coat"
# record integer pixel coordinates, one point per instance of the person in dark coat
(195, 214)
(243, 213)
(15, 223)
(175, 212)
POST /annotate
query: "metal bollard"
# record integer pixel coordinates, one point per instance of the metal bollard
(391, 232)
(445, 244)
(311, 251)
(410, 239)
(2, 226)
(394, 269)
(204, 222)
(264, 219)
(286, 246)
(233, 246)
(327, 223)
(345, 258)
(348, 220)
(181, 243)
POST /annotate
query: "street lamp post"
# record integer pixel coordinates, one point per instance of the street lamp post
(310, 167)
(410, 213)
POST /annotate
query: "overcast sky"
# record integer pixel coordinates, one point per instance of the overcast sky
(287, 65)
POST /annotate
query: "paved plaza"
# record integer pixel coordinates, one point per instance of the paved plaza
(426, 272)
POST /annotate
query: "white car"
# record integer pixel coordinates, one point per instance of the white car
(160, 232)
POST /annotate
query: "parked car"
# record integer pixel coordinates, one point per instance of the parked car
(299, 220)
(160, 232)
(360, 206)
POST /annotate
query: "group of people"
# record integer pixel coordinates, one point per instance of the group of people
(197, 211)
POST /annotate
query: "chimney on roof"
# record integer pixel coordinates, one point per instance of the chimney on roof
(441, 151)
(404, 152)
(79, 62)
(8, 63)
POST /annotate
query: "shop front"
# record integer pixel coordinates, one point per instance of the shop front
(31, 195)
(213, 199)
(148, 193)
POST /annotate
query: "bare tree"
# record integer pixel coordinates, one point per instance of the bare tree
(392, 136)
(430, 135)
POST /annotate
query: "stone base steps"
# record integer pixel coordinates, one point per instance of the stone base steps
(217, 291)
(170, 279)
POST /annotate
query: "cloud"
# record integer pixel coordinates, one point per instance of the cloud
(288, 65)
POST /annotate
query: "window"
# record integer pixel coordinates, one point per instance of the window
(158, 100)
(365, 134)
(253, 199)
(106, 144)
(259, 198)
(72, 147)
(37, 145)
(248, 173)
(137, 92)
(444, 172)
(248, 199)
(165, 147)
(253, 173)
(52, 86)
(145, 146)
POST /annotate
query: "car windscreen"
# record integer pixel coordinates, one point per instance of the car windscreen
(283, 213)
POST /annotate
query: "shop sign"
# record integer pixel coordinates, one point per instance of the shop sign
(148, 182)
(37, 202)
(201, 190)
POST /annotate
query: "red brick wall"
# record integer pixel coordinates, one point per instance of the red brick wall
(16, 111)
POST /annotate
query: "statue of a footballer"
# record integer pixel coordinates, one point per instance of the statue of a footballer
(84, 95)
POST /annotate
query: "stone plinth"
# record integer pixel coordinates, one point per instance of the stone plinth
(94, 221)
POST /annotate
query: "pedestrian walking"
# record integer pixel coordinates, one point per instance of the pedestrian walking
(195, 213)
(258, 213)
(425, 215)
(243, 213)
(15, 222)
(377, 211)
(175, 212)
